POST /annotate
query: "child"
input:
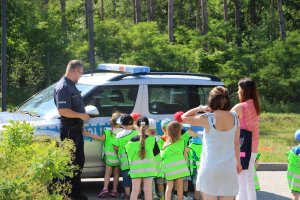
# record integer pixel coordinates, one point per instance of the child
(186, 137)
(256, 182)
(194, 154)
(160, 181)
(173, 160)
(152, 132)
(140, 152)
(293, 171)
(111, 159)
(122, 139)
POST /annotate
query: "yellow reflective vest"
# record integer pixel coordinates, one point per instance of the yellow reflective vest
(141, 168)
(173, 161)
(293, 172)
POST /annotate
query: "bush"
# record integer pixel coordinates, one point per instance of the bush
(29, 163)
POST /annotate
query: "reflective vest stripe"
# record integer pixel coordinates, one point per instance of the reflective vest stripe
(294, 175)
(142, 170)
(112, 161)
(110, 153)
(179, 171)
(144, 161)
(256, 183)
(174, 163)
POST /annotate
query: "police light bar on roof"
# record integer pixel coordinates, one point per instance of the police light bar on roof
(124, 68)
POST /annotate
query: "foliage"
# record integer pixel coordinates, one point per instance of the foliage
(39, 45)
(28, 164)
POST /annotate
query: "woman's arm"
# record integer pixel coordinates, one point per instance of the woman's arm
(238, 109)
(95, 137)
(237, 150)
(191, 117)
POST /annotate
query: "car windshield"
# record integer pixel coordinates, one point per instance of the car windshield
(42, 103)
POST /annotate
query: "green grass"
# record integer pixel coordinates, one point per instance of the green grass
(277, 136)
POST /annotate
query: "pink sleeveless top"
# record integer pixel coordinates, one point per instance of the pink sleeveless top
(251, 122)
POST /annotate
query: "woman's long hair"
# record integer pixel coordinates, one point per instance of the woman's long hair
(143, 124)
(249, 92)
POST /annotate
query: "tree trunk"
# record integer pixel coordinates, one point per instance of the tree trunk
(114, 8)
(102, 10)
(90, 25)
(138, 11)
(180, 11)
(225, 6)
(281, 20)
(272, 17)
(204, 17)
(252, 11)
(237, 5)
(198, 16)
(63, 17)
(134, 11)
(150, 10)
(170, 20)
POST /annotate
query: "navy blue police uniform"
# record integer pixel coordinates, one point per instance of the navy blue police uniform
(66, 95)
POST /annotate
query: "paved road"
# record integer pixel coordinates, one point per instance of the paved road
(273, 186)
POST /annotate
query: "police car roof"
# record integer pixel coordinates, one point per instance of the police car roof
(149, 78)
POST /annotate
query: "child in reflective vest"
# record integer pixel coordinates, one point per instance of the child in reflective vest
(141, 150)
(293, 172)
(122, 139)
(194, 154)
(174, 160)
(112, 162)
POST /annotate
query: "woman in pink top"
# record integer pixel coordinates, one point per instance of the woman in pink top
(249, 104)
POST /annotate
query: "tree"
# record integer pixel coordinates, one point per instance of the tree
(281, 20)
(63, 17)
(204, 17)
(138, 10)
(198, 16)
(238, 22)
(171, 20)
(90, 25)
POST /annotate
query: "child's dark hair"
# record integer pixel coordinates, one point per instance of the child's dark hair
(173, 131)
(142, 123)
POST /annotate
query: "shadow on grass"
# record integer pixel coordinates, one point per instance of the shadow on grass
(262, 195)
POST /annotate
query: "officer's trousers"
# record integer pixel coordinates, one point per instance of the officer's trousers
(72, 129)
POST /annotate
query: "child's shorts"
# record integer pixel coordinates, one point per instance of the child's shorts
(126, 178)
(160, 180)
(187, 178)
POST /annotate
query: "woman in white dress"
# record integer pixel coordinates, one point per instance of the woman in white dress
(220, 159)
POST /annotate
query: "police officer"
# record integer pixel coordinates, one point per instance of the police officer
(71, 108)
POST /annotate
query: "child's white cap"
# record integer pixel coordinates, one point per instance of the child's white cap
(152, 123)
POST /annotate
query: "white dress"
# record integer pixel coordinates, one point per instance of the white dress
(217, 175)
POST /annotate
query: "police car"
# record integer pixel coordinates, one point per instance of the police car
(124, 88)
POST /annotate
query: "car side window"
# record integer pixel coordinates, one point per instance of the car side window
(169, 99)
(108, 99)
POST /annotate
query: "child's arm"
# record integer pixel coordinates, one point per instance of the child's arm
(192, 133)
(186, 151)
(95, 137)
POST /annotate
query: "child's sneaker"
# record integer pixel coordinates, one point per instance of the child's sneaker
(104, 193)
(162, 198)
(114, 193)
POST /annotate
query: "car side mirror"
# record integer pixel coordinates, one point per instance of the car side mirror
(92, 111)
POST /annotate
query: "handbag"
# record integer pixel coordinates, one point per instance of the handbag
(245, 143)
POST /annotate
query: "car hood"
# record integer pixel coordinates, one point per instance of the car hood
(5, 117)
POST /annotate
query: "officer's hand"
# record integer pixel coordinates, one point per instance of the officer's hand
(85, 117)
